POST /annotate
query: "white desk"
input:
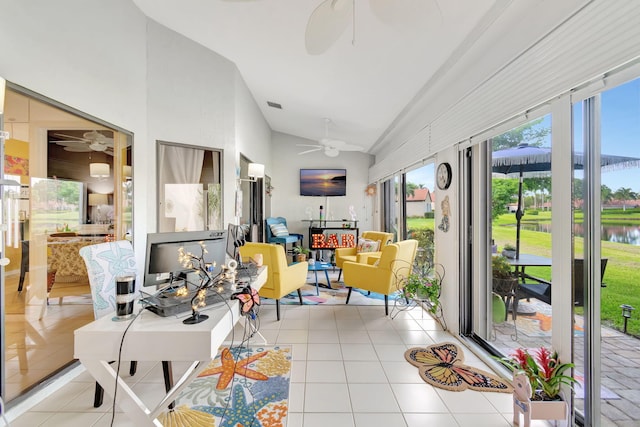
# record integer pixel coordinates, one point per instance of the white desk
(154, 338)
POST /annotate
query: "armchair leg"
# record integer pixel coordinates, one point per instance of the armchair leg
(339, 274)
(349, 295)
(386, 305)
(133, 368)
(278, 310)
(300, 296)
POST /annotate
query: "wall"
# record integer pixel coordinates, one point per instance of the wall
(108, 60)
(286, 201)
(94, 61)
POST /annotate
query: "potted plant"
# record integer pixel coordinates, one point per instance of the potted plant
(301, 253)
(423, 287)
(509, 250)
(504, 279)
(537, 384)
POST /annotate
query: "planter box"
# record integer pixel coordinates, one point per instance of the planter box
(535, 409)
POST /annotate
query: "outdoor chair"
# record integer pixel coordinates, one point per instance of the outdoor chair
(542, 289)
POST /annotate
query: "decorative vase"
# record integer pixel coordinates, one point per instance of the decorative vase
(534, 409)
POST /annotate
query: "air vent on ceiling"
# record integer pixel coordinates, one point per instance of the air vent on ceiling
(274, 105)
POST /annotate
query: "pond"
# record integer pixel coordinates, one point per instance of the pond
(618, 233)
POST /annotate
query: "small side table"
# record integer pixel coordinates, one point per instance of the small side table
(321, 266)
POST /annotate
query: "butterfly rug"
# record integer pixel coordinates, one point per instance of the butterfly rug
(442, 366)
(241, 386)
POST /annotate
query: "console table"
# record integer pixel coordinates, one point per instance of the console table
(154, 338)
(332, 233)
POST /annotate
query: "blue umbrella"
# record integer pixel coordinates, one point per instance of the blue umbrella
(536, 161)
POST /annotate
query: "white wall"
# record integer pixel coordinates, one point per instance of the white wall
(90, 55)
(286, 200)
(108, 60)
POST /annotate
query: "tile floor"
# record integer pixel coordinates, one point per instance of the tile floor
(348, 370)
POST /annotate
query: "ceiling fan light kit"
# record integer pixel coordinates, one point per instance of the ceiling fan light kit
(332, 147)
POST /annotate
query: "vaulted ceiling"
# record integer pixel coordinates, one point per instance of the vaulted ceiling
(378, 69)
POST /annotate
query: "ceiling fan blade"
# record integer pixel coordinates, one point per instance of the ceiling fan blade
(308, 145)
(406, 13)
(310, 151)
(62, 135)
(78, 148)
(326, 24)
(67, 143)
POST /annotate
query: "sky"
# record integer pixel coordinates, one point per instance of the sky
(620, 135)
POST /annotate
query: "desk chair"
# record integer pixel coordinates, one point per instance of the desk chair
(105, 262)
(281, 234)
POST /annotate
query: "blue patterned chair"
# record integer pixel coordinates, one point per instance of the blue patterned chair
(105, 262)
(281, 235)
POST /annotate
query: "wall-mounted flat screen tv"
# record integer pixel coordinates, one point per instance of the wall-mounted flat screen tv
(323, 182)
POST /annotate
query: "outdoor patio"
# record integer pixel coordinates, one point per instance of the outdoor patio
(620, 360)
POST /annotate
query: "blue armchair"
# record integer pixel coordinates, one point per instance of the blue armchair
(282, 234)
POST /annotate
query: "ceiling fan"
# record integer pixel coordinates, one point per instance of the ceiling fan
(89, 141)
(331, 18)
(331, 147)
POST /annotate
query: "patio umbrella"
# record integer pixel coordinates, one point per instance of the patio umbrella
(534, 161)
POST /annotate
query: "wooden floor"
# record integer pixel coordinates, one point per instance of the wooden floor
(36, 347)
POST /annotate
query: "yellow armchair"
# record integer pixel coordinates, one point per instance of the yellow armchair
(282, 279)
(396, 260)
(351, 254)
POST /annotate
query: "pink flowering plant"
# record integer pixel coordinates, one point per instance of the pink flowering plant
(544, 371)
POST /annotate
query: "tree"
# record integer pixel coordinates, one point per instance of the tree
(411, 188)
(606, 194)
(623, 194)
(530, 132)
(503, 192)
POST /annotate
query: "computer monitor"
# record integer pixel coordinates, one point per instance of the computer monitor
(161, 264)
(235, 239)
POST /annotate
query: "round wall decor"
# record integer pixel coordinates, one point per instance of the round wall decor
(443, 175)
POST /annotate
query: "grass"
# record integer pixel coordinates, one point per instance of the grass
(622, 276)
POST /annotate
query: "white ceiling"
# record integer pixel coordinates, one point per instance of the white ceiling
(364, 86)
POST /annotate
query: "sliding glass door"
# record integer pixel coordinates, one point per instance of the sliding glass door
(606, 239)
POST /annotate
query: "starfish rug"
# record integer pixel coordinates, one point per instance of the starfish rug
(246, 386)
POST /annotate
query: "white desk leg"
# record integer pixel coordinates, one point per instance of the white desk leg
(134, 408)
(191, 373)
(252, 331)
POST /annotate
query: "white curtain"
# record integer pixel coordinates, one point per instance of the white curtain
(179, 165)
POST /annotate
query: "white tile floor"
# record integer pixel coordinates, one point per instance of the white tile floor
(348, 370)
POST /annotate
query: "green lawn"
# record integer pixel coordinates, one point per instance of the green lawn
(622, 276)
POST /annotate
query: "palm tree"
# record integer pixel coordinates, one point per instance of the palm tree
(623, 194)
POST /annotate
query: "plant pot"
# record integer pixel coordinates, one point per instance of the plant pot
(504, 287)
(509, 253)
(534, 409)
(301, 257)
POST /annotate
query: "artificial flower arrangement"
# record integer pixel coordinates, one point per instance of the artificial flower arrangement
(543, 369)
(207, 280)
